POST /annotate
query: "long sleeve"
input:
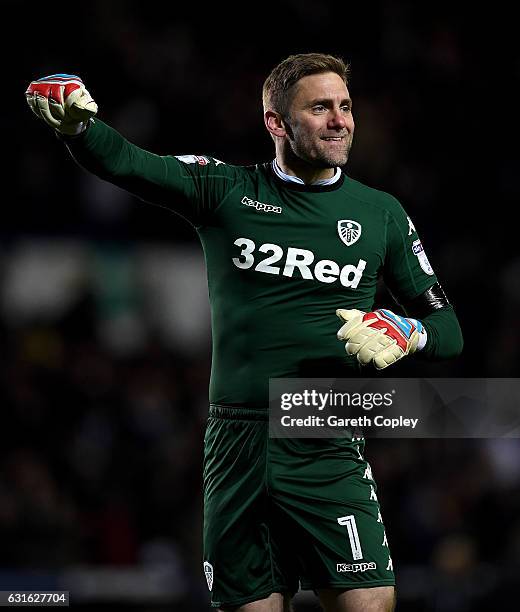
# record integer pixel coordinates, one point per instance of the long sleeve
(444, 334)
(190, 185)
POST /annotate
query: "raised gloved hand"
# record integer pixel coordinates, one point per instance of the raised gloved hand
(62, 101)
(381, 336)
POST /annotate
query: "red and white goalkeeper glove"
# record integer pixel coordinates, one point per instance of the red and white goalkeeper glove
(381, 337)
(62, 101)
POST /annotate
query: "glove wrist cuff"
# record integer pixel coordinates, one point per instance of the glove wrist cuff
(423, 338)
(423, 334)
(72, 129)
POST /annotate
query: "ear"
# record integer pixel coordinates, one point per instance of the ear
(274, 124)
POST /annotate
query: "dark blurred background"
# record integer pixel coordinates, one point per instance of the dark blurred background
(104, 320)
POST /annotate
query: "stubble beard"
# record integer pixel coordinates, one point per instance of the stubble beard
(318, 157)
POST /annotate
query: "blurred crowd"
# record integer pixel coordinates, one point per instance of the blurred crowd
(104, 321)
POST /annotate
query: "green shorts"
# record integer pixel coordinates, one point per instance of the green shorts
(280, 514)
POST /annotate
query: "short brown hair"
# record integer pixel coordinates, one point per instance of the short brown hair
(291, 70)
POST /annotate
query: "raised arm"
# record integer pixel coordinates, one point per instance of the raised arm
(189, 185)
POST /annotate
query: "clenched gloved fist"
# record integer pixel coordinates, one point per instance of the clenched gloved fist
(62, 101)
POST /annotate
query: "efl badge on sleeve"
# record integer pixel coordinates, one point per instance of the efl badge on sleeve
(418, 251)
(349, 231)
(193, 159)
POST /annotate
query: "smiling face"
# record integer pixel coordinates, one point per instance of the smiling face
(319, 125)
(311, 124)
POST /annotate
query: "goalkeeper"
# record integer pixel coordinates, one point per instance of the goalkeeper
(290, 246)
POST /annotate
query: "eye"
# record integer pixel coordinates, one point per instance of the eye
(318, 108)
(346, 108)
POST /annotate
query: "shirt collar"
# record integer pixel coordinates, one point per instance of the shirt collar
(294, 179)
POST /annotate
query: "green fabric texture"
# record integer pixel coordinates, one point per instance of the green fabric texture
(281, 258)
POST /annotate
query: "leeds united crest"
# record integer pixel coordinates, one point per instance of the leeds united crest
(349, 231)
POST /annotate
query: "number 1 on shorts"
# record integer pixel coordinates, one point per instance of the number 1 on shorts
(353, 536)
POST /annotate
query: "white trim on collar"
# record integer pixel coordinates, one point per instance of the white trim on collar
(294, 179)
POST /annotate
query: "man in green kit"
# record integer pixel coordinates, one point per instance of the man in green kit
(290, 246)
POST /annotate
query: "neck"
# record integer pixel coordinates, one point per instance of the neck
(294, 166)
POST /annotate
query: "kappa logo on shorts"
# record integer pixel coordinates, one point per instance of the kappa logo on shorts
(208, 572)
(349, 231)
(356, 567)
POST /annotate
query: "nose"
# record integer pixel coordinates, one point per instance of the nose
(337, 120)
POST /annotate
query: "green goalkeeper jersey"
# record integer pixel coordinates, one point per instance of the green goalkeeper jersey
(281, 257)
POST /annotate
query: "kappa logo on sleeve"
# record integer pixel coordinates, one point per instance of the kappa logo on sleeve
(418, 251)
